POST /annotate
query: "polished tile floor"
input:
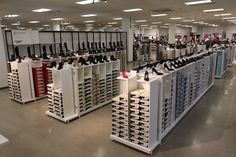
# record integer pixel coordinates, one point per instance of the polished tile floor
(209, 130)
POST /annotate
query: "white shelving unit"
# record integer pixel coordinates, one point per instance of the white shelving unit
(232, 55)
(148, 110)
(222, 62)
(83, 89)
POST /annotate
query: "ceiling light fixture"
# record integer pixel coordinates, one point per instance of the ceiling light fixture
(46, 25)
(132, 10)
(15, 24)
(198, 2)
(34, 22)
(11, 16)
(226, 14)
(213, 10)
(228, 18)
(91, 21)
(166, 24)
(188, 20)
(158, 15)
(156, 22)
(41, 10)
(164, 27)
(84, 2)
(57, 19)
(88, 15)
(141, 21)
(117, 18)
(176, 18)
(112, 23)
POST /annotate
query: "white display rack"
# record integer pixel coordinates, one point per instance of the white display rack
(222, 62)
(171, 96)
(83, 89)
(232, 55)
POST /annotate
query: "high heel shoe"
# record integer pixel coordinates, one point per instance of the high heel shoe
(124, 74)
(167, 67)
(155, 71)
(146, 76)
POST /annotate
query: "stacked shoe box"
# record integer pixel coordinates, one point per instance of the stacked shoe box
(102, 90)
(139, 117)
(109, 87)
(166, 114)
(10, 85)
(58, 103)
(81, 96)
(39, 85)
(186, 92)
(96, 89)
(88, 85)
(211, 70)
(115, 83)
(47, 73)
(179, 95)
(50, 98)
(122, 57)
(16, 85)
(196, 88)
(120, 117)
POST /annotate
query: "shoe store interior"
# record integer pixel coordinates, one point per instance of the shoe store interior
(117, 78)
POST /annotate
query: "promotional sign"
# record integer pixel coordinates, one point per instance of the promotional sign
(25, 37)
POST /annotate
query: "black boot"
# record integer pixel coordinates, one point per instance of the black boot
(13, 58)
(60, 46)
(45, 56)
(146, 76)
(29, 51)
(53, 64)
(65, 45)
(156, 72)
(51, 50)
(112, 58)
(19, 59)
(105, 59)
(60, 66)
(17, 52)
(167, 67)
(70, 61)
(104, 47)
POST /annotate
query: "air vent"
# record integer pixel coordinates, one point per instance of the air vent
(163, 10)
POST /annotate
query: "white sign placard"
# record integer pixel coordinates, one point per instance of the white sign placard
(25, 37)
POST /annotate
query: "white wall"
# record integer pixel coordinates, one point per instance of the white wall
(3, 62)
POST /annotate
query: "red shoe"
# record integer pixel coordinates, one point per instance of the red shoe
(124, 74)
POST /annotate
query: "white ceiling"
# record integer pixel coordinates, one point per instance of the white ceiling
(112, 9)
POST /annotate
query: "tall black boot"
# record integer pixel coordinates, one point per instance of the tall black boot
(29, 51)
(17, 52)
(51, 50)
(45, 56)
(65, 45)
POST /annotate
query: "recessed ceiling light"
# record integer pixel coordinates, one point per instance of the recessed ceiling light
(88, 24)
(117, 18)
(228, 18)
(84, 2)
(198, 2)
(198, 22)
(15, 24)
(176, 18)
(57, 19)
(164, 27)
(156, 22)
(46, 25)
(166, 24)
(88, 15)
(41, 10)
(140, 20)
(188, 20)
(226, 14)
(158, 15)
(11, 16)
(88, 21)
(112, 23)
(143, 25)
(108, 25)
(213, 10)
(34, 21)
(132, 10)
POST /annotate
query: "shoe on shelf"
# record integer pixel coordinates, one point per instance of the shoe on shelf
(105, 59)
(156, 72)
(146, 76)
(17, 52)
(53, 64)
(124, 74)
(167, 67)
(34, 58)
(29, 51)
(112, 58)
(60, 66)
(19, 59)
(51, 50)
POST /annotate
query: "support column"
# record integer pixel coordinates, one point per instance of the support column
(171, 32)
(56, 27)
(3, 61)
(127, 26)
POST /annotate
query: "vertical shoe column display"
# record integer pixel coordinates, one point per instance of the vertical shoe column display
(115, 74)
(222, 62)
(120, 117)
(96, 89)
(47, 74)
(38, 76)
(10, 85)
(58, 103)
(102, 82)
(109, 81)
(121, 55)
(88, 85)
(50, 98)
(16, 85)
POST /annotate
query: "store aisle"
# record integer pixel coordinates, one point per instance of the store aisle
(208, 130)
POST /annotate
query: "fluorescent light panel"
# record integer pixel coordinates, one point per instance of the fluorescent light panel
(188, 20)
(112, 23)
(213, 10)
(117, 18)
(15, 24)
(11, 16)
(132, 10)
(34, 21)
(198, 2)
(156, 22)
(87, 2)
(228, 18)
(41, 10)
(226, 14)
(57, 19)
(176, 18)
(91, 21)
(88, 15)
(46, 25)
(158, 15)
(140, 20)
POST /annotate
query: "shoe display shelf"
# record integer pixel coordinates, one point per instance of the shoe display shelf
(82, 89)
(20, 81)
(156, 106)
(232, 55)
(222, 62)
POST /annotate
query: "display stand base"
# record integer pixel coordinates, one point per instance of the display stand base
(219, 77)
(184, 113)
(138, 147)
(95, 107)
(29, 100)
(66, 120)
